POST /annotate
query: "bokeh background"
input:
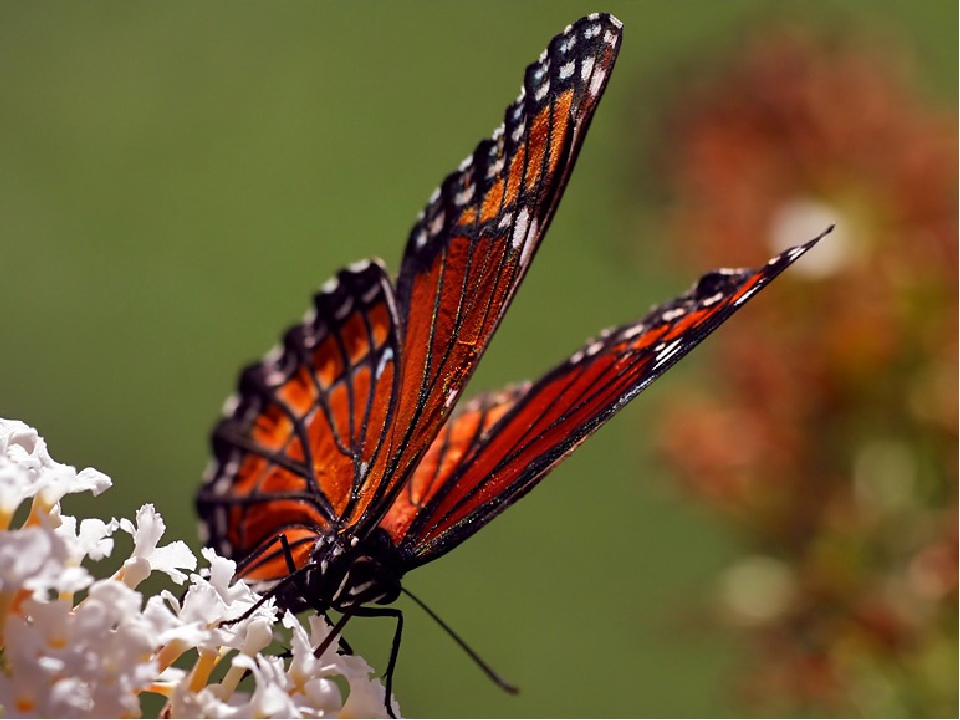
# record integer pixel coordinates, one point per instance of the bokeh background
(770, 529)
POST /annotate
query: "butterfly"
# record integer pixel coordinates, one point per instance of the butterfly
(345, 460)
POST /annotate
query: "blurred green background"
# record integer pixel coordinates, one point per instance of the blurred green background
(177, 178)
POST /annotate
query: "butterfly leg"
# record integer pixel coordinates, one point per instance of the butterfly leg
(394, 647)
(292, 568)
(345, 648)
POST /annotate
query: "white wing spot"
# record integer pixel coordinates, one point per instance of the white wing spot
(223, 484)
(384, 359)
(633, 332)
(466, 196)
(597, 82)
(542, 92)
(272, 356)
(610, 39)
(712, 300)
(345, 309)
(233, 464)
(505, 220)
(359, 266)
(591, 32)
(420, 239)
(517, 133)
(230, 405)
(229, 471)
(567, 70)
(667, 350)
(467, 161)
(370, 294)
(273, 374)
(312, 330)
(520, 229)
(673, 314)
(747, 295)
(529, 244)
(587, 68)
(329, 286)
(436, 225)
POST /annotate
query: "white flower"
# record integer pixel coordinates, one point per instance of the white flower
(147, 557)
(38, 560)
(272, 696)
(94, 658)
(92, 540)
(220, 576)
(28, 471)
(19, 472)
(366, 698)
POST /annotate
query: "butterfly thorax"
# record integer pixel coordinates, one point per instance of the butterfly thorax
(347, 571)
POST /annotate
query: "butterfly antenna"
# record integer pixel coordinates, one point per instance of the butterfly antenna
(478, 661)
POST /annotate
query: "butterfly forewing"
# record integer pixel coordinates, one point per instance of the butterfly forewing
(472, 245)
(307, 428)
(545, 422)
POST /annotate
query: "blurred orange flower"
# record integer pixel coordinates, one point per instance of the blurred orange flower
(833, 445)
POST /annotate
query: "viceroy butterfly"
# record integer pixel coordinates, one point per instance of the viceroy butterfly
(341, 463)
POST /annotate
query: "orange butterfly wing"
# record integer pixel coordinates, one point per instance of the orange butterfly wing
(466, 429)
(472, 245)
(528, 431)
(306, 432)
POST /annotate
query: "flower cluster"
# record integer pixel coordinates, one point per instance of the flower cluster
(77, 646)
(827, 431)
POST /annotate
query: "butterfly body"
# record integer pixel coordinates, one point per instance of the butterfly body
(345, 572)
(341, 463)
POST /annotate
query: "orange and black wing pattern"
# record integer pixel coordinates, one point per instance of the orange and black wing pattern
(506, 444)
(466, 429)
(473, 243)
(303, 443)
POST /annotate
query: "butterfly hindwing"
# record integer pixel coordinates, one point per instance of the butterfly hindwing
(473, 243)
(302, 443)
(543, 423)
(466, 429)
